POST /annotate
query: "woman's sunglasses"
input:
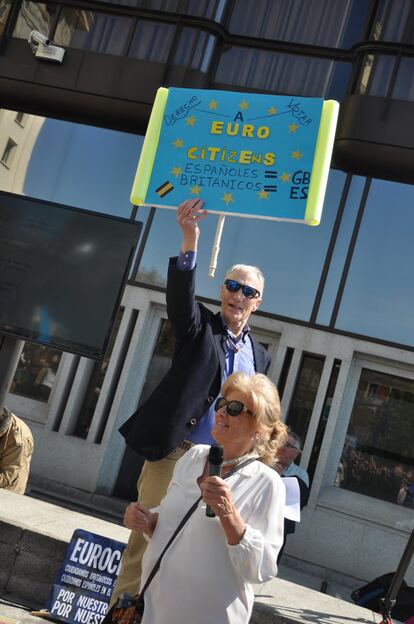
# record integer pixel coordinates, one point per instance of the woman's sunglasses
(248, 291)
(233, 408)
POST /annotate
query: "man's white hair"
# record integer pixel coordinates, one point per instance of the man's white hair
(246, 268)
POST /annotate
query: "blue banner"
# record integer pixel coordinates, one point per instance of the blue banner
(86, 578)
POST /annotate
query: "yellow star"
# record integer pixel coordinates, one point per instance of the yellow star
(244, 105)
(178, 143)
(195, 190)
(285, 177)
(176, 171)
(272, 110)
(228, 198)
(190, 121)
(213, 104)
(293, 127)
(263, 194)
(297, 155)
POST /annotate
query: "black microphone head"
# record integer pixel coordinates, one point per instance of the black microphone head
(215, 455)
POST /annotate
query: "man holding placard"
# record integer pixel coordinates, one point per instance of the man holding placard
(180, 412)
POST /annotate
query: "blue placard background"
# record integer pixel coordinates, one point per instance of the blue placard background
(86, 578)
(243, 153)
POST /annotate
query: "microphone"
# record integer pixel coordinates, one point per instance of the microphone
(215, 462)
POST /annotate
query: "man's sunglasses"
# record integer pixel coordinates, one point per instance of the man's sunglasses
(248, 291)
(233, 408)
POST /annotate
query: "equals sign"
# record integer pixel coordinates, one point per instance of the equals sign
(270, 189)
(270, 174)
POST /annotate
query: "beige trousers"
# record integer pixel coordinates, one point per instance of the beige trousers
(152, 486)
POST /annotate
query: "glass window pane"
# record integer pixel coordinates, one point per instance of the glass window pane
(378, 299)
(404, 84)
(98, 32)
(33, 16)
(288, 253)
(152, 41)
(376, 75)
(333, 23)
(391, 21)
(160, 361)
(5, 6)
(378, 455)
(323, 419)
(283, 73)
(8, 153)
(304, 394)
(195, 49)
(337, 262)
(95, 384)
(210, 9)
(35, 374)
(73, 164)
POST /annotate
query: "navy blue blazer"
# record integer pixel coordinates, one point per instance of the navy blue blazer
(170, 413)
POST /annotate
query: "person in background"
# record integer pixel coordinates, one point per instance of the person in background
(46, 378)
(16, 448)
(286, 467)
(209, 347)
(207, 573)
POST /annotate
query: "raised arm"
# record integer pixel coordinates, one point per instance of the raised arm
(181, 306)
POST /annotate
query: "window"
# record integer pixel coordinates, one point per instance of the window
(304, 394)
(152, 41)
(33, 16)
(102, 163)
(97, 32)
(21, 119)
(378, 72)
(336, 265)
(8, 153)
(283, 73)
(96, 380)
(36, 371)
(161, 360)
(391, 21)
(195, 49)
(333, 23)
(323, 420)
(5, 6)
(378, 298)
(378, 455)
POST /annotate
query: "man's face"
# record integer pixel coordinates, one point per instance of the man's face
(235, 307)
(288, 452)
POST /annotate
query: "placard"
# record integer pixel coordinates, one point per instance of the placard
(245, 154)
(86, 578)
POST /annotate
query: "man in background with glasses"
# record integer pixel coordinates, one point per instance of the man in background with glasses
(286, 467)
(209, 348)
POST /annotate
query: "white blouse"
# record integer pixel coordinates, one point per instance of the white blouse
(202, 578)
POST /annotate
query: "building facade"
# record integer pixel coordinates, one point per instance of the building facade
(337, 310)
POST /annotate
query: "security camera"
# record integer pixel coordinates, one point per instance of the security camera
(36, 37)
(43, 49)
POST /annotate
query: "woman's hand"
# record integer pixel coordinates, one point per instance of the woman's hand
(138, 518)
(216, 493)
(189, 213)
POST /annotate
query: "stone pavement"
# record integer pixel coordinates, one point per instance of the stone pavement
(33, 540)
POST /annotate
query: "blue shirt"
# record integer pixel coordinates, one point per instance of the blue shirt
(238, 357)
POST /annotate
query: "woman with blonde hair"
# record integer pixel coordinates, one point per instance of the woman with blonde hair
(206, 575)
